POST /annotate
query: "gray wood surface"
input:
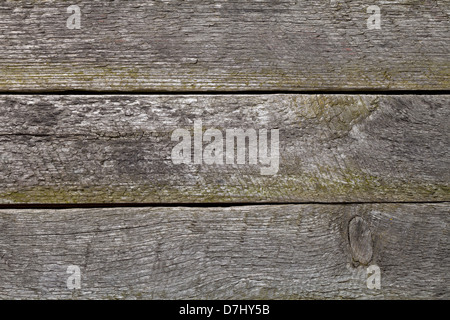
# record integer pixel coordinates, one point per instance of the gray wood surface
(117, 148)
(254, 252)
(224, 45)
(369, 173)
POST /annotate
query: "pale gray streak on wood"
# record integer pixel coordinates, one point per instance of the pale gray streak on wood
(117, 148)
(255, 252)
(224, 45)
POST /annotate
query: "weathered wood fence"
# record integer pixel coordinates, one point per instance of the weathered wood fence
(110, 187)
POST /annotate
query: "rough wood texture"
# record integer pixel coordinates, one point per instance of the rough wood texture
(254, 252)
(224, 45)
(360, 239)
(117, 148)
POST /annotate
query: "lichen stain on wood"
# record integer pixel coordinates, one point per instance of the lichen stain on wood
(360, 238)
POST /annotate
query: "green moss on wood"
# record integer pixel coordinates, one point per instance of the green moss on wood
(57, 77)
(346, 185)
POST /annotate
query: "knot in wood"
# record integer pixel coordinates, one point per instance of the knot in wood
(360, 238)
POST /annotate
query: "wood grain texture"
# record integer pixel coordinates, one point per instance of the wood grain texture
(117, 148)
(360, 239)
(245, 252)
(224, 45)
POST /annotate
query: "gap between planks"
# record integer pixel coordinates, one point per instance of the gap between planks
(198, 205)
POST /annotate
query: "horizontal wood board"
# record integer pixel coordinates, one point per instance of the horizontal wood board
(118, 148)
(246, 252)
(224, 45)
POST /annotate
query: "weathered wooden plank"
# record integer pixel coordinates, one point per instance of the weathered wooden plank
(223, 45)
(118, 148)
(254, 252)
